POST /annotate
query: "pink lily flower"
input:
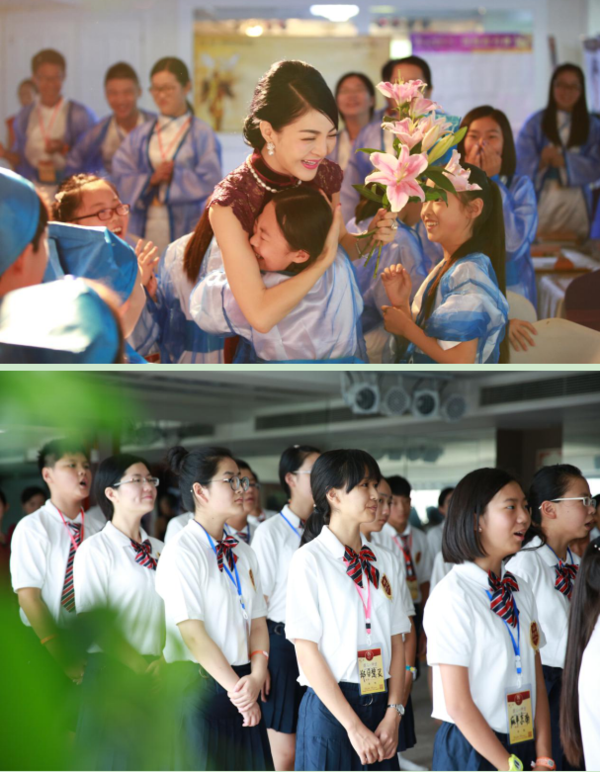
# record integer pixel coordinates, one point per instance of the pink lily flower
(458, 176)
(420, 106)
(399, 175)
(432, 129)
(408, 133)
(401, 92)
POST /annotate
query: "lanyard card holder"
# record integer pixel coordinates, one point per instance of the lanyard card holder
(370, 670)
(519, 714)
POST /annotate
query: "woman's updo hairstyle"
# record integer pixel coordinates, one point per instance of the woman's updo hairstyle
(549, 483)
(291, 460)
(197, 466)
(287, 91)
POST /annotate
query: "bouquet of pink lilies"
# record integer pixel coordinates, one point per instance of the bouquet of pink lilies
(420, 139)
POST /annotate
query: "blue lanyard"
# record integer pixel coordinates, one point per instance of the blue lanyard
(516, 644)
(560, 560)
(293, 527)
(236, 582)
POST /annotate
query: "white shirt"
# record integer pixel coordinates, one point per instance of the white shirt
(537, 567)
(106, 575)
(177, 524)
(248, 532)
(113, 139)
(439, 570)
(39, 552)
(589, 689)
(275, 542)
(434, 539)
(407, 601)
(462, 630)
(190, 583)
(324, 606)
(419, 550)
(55, 127)
(264, 515)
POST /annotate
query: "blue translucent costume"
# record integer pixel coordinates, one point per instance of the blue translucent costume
(79, 119)
(468, 304)
(325, 326)
(197, 170)
(86, 156)
(19, 216)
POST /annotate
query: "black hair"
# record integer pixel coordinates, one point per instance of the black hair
(387, 71)
(460, 540)
(549, 482)
(509, 152)
(27, 82)
(399, 485)
(54, 450)
(580, 117)
(583, 617)
(197, 466)
(295, 209)
(69, 196)
(121, 71)
(291, 460)
(245, 465)
(443, 494)
(44, 217)
(288, 90)
(338, 469)
(2, 497)
(110, 471)
(177, 68)
(31, 491)
(367, 82)
(47, 56)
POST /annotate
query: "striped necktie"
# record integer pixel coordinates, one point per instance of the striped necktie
(565, 577)
(224, 549)
(68, 593)
(411, 574)
(359, 562)
(144, 554)
(502, 602)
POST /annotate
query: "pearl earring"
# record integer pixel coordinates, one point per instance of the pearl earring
(270, 148)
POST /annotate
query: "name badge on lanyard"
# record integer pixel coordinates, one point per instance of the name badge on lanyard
(371, 672)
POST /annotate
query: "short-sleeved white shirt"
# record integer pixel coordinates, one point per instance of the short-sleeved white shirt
(462, 630)
(192, 587)
(439, 570)
(265, 514)
(434, 539)
(107, 576)
(536, 563)
(39, 552)
(589, 689)
(177, 524)
(419, 550)
(275, 542)
(248, 532)
(407, 601)
(324, 606)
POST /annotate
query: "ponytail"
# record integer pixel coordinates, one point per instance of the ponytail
(197, 246)
(314, 525)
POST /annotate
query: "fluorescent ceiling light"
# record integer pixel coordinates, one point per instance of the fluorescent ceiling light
(335, 12)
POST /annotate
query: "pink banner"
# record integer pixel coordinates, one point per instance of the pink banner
(428, 42)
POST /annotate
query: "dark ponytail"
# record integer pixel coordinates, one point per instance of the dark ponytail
(549, 482)
(197, 466)
(583, 617)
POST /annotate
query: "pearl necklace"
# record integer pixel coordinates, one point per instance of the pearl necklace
(260, 182)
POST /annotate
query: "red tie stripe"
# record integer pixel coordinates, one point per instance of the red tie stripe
(242, 535)
(565, 577)
(224, 548)
(502, 602)
(411, 574)
(357, 563)
(68, 594)
(144, 554)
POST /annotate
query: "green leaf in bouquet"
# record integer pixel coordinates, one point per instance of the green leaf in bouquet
(460, 135)
(440, 180)
(377, 262)
(418, 148)
(366, 192)
(368, 150)
(386, 202)
(441, 148)
(434, 194)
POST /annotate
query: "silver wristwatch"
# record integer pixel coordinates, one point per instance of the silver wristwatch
(398, 708)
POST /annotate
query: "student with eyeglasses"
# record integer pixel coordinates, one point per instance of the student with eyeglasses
(215, 619)
(562, 510)
(252, 502)
(275, 542)
(115, 572)
(240, 526)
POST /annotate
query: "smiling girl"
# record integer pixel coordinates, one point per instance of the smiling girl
(483, 636)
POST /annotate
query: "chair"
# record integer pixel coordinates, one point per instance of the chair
(582, 300)
(558, 342)
(520, 308)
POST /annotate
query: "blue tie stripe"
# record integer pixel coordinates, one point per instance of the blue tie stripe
(144, 554)
(502, 602)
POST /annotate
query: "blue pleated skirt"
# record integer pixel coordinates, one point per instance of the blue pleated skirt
(322, 742)
(553, 681)
(281, 709)
(212, 735)
(406, 734)
(452, 751)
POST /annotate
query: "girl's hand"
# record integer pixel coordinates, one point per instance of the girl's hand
(251, 716)
(397, 284)
(148, 257)
(387, 732)
(474, 156)
(245, 693)
(491, 161)
(395, 320)
(382, 223)
(366, 744)
(332, 241)
(518, 334)
(266, 688)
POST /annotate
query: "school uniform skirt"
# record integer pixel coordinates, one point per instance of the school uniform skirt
(322, 742)
(212, 735)
(281, 709)
(553, 681)
(452, 751)
(406, 734)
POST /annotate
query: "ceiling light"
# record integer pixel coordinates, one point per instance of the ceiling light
(335, 12)
(254, 32)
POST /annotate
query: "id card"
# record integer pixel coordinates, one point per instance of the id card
(413, 586)
(519, 712)
(47, 172)
(370, 670)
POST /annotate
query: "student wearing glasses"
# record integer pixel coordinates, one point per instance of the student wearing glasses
(562, 510)
(215, 618)
(240, 526)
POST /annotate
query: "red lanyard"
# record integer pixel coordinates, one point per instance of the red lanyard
(366, 606)
(45, 134)
(164, 154)
(70, 532)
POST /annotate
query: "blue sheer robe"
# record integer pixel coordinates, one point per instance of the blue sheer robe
(79, 119)
(325, 326)
(468, 304)
(197, 171)
(86, 156)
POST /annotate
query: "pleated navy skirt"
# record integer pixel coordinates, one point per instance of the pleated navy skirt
(322, 742)
(406, 734)
(281, 709)
(452, 751)
(212, 735)
(553, 681)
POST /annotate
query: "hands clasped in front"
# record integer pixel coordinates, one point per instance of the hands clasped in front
(244, 696)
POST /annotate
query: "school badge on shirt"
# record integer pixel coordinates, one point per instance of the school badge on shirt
(386, 586)
(251, 575)
(534, 636)
(418, 558)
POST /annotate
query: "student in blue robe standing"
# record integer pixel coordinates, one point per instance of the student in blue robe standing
(167, 168)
